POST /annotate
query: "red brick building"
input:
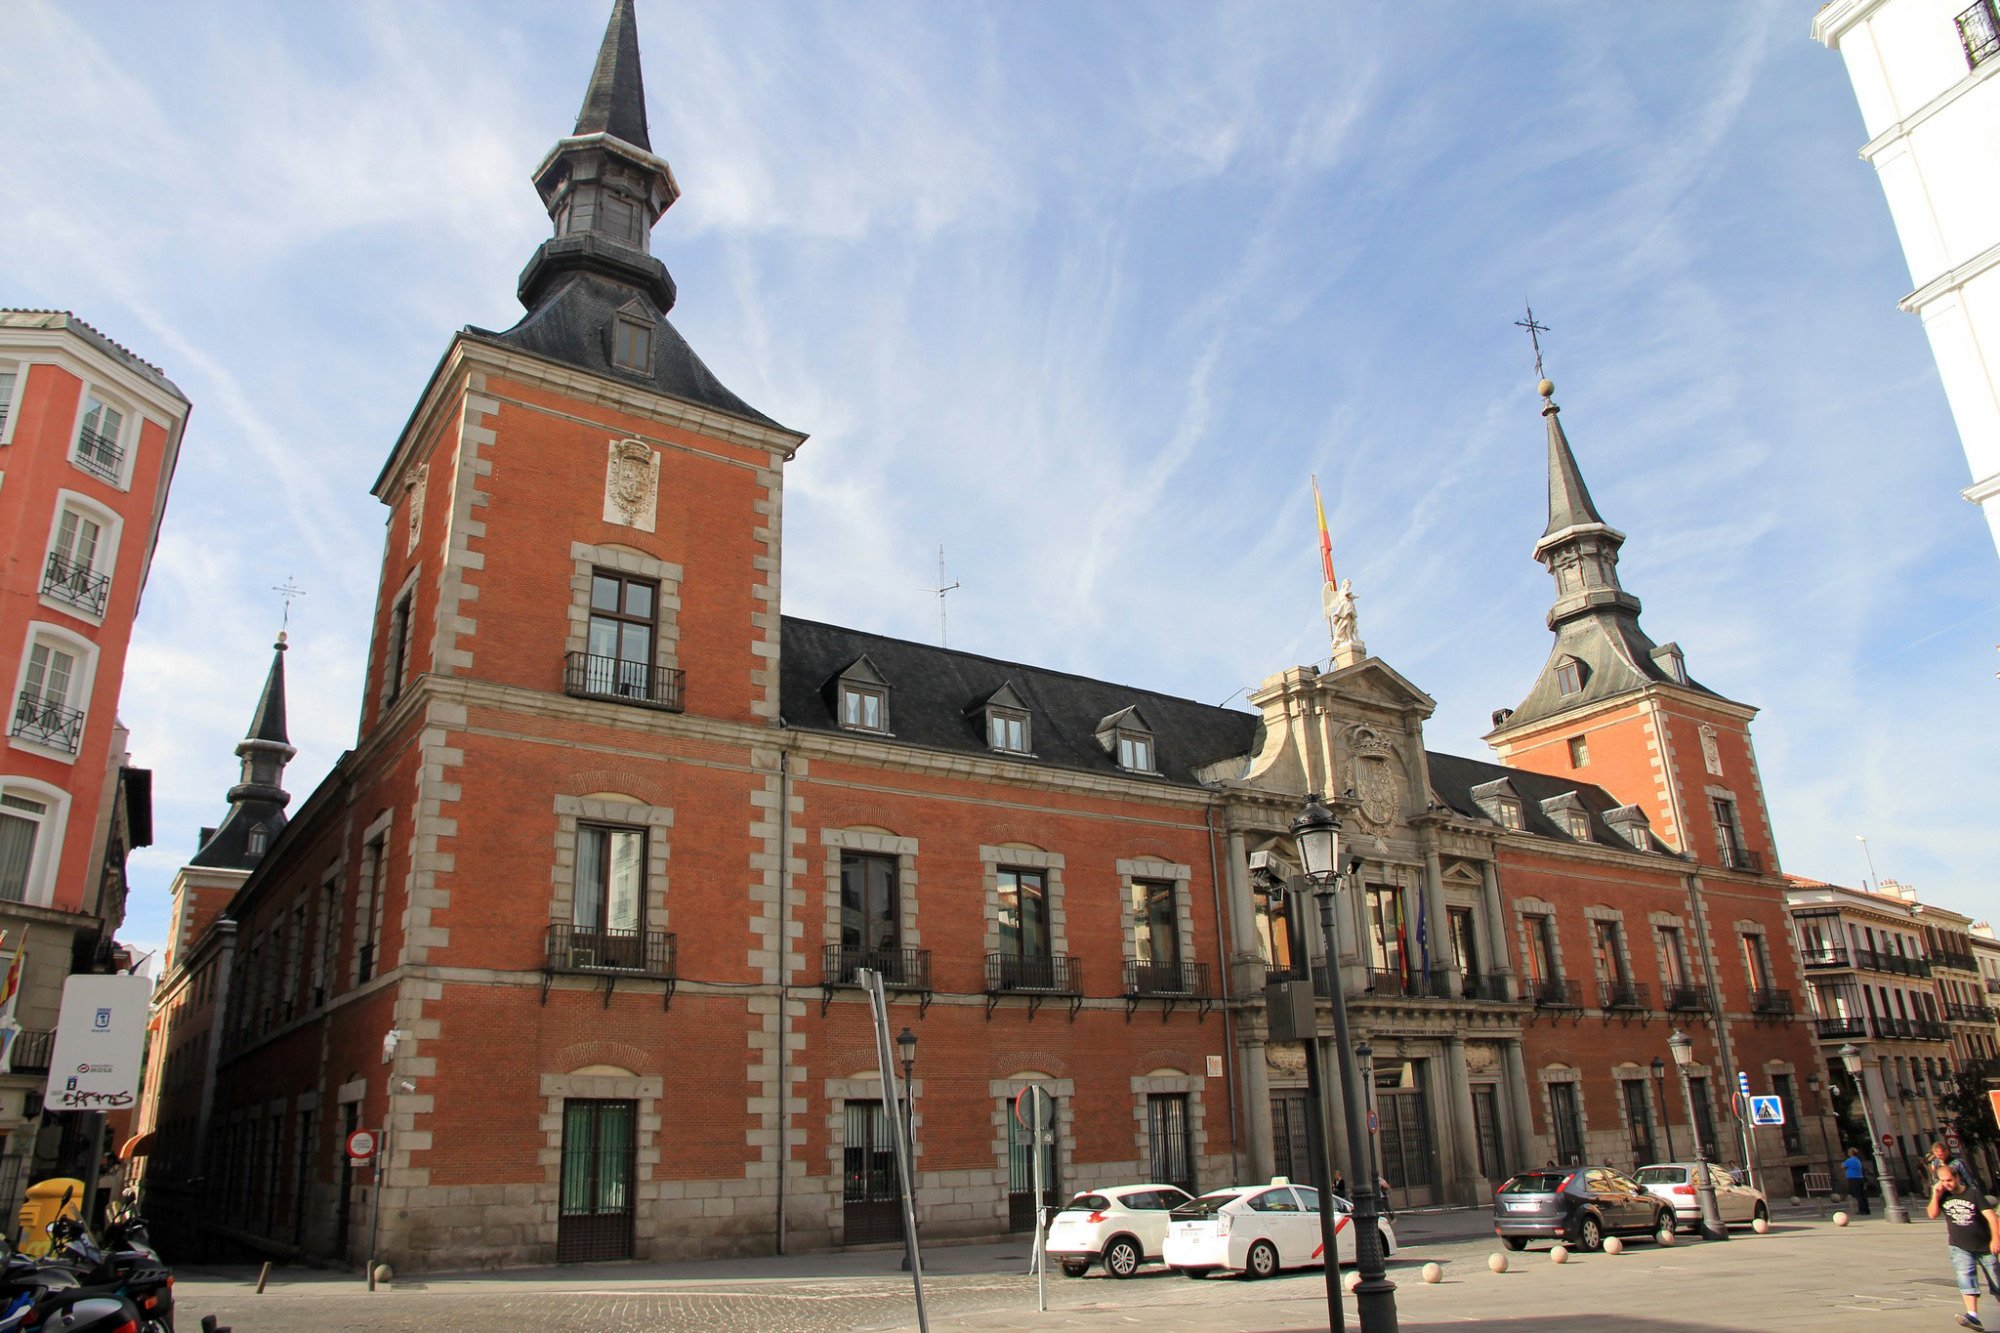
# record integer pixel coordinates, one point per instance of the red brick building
(578, 918)
(89, 435)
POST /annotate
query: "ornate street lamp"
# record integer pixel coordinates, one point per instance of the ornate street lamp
(1666, 1120)
(1711, 1219)
(1316, 833)
(906, 1052)
(1892, 1205)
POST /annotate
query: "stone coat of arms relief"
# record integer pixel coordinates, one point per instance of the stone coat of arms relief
(1371, 776)
(632, 485)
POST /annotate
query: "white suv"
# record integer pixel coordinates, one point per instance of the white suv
(1123, 1227)
(1257, 1230)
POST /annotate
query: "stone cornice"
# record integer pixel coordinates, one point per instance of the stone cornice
(1954, 278)
(1834, 19)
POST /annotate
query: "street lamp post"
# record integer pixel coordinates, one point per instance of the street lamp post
(1666, 1119)
(1892, 1204)
(1317, 835)
(1364, 1056)
(906, 1052)
(1704, 1188)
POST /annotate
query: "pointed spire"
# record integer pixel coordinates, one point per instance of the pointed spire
(615, 102)
(1569, 498)
(266, 749)
(268, 722)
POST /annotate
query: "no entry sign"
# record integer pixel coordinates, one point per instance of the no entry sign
(361, 1145)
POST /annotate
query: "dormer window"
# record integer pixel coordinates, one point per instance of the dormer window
(1669, 658)
(1127, 737)
(1579, 827)
(861, 698)
(619, 218)
(632, 343)
(1135, 752)
(1501, 802)
(1507, 813)
(255, 843)
(1007, 729)
(1570, 676)
(1567, 813)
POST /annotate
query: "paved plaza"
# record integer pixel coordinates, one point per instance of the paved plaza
(1805, 1274)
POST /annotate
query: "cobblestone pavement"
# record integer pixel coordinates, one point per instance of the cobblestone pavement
(1806, 1273)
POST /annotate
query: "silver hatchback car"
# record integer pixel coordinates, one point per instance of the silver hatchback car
(1675, 1182)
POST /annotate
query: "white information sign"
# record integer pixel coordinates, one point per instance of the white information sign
(100, 1037)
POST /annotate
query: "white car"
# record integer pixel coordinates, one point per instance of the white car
(1256, 1230)
(1121, 1228)
(1674, 1182)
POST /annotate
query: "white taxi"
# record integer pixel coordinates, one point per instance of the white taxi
(1257, 1230)
(1121, 1228)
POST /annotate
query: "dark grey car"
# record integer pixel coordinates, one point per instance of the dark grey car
(1579, 1207)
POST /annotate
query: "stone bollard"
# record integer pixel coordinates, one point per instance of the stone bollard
(1665, 1236)
(1613, 1245)
(1351, 1281)
(383, 1273)
(1433, 1273)
(1497, 1261)
(1559, 1255)
(1840, 1219)
(1760, 1226)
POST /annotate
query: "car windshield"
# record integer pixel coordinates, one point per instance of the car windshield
(1086, 1203)
(1208, 1205)
(1536, 1182)
(1662, 1175)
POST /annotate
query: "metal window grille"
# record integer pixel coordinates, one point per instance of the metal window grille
(1979, 34)
(1170, 1139)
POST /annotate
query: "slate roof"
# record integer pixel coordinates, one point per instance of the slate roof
(615, 101)
(268, 722)
(63, 319)
(228, 848)
(1453, 777)
(1569, 499)
(1619, 659)
(935, 696)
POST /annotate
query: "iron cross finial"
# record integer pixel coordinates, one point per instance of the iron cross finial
(288, 590)
(1535, 332)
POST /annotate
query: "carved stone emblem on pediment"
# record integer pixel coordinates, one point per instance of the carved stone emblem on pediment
(418, 487)
(1372, 777)
(632, 484)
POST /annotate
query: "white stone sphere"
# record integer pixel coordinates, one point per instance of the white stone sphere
(1613, 1245)
(1840, 1219)
(1665, 1235)
(1760, 1226)
(1433, 1272)
(1497, 1262)
(383, 1272)
(1351, 1281)
(1559, 1255)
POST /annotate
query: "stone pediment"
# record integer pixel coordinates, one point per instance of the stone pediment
(1376, 681)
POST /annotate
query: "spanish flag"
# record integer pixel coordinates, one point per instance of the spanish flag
(12, 986)
(1325, 537)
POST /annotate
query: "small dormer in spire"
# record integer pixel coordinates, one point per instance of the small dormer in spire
(603, 186)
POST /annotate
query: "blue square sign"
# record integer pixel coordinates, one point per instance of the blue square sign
(1767, 1111)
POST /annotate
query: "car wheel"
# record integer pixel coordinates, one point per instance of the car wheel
(1075, 1267)
(1262, 1260)
(1388, 1246)
(1589, 1234)
(1516, 1243)
(1122, 1257)
(1664, 1223)
(1762, 1214)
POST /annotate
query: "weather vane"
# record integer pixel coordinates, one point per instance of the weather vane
(1535, 332)
(288, 590)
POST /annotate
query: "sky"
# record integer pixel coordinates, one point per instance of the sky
(1084, 294)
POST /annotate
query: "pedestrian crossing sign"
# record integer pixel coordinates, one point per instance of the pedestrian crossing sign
(1767, 1111)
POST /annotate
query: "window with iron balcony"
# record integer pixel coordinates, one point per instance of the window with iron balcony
(1979, 33)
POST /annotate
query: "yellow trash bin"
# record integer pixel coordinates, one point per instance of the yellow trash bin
(48, 1200)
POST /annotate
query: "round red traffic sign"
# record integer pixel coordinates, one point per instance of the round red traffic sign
(1952, 1141)
(361, 1145)
(1888, 1140)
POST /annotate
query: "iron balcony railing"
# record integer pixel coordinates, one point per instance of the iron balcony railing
(1685, 999)
(648, 953)
(1824, 955)
(1557, 994)
(1322, 980)
(1769, 1001)
(1622, 994)
(1968, 1013)
(1952, 958)
(1053, 974)
(48, 722)
(1391, 985)
(1853, 1025)
(1979, 34)
(1490, 986)
(1911, 1029)
(67, 581)
(1993, 985)
(901, 969)
(31, 1052)
(1181, 980)
(589, 677)
(1742, 858)
(100, 454)
(1902, 965)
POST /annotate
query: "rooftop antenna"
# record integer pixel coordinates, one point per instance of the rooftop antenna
(1535, 332)
(941, 589)
(1862, 838)
(288, 590)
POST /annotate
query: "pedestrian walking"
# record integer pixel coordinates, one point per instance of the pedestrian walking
(1857, 1180)
(1939, 1157)
(1972, 1238)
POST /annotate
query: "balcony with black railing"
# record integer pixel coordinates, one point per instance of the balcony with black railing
(1824, 955)
(1742, 858)
(1395, 986)
(1036, 977)
(99, 454)
(611, 954)
(1685, 999)
(1896, 964)
(1556, 993)
(1770, 1002)
(589, 677)
(67, 581)
(1993, 985)
(1850, 1025)
(32, 1051)
(901, 969)
(1490, 987)
(48, 722)
(1173, 983)
(1968, 1013)
(1979, 33)
(1622, 996)
(1952, 958)
(1322, 980)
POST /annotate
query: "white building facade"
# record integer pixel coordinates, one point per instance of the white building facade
(1927, 76)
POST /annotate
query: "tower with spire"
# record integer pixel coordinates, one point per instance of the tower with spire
(1615, 708)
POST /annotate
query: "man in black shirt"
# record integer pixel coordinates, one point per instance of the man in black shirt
(1972, 1238)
